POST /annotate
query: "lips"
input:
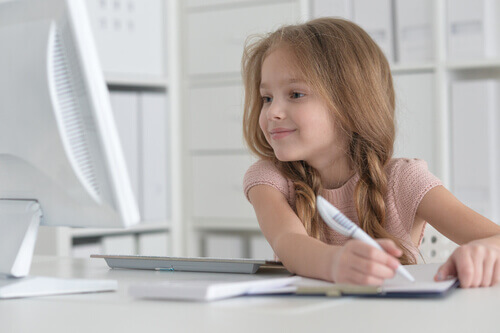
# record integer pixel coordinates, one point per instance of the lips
(279, 133)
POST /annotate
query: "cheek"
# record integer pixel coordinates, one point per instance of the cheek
(263, 123)
(320, 127)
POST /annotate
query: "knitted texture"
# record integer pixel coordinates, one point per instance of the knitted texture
(408, 182)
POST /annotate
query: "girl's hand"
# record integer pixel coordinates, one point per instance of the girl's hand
(359, 263)
(476, 264)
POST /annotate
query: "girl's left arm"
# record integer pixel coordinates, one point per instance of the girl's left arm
(476, 262)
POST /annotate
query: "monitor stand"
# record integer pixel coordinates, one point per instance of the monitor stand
(19, 222)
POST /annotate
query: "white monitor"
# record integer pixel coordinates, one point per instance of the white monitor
(61, 162)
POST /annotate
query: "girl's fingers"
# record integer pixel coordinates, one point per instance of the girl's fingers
(447, 269)
(488, 270)
(371, 268)
(477, 257)
(371, 253)
(496, 272)
(465, 268)
(390, 247)
(357, 277)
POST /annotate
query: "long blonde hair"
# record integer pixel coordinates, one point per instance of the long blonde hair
(341, 63)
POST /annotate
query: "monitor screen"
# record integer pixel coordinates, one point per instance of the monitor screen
(59, 147)
(58, 140)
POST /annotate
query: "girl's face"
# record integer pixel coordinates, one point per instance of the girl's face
(296, 122)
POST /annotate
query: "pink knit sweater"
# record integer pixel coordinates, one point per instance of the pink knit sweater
(408, 181)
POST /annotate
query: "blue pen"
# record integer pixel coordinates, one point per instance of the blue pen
(340, 223)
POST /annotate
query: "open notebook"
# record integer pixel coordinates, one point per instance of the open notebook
(424, 285)
(214, 288)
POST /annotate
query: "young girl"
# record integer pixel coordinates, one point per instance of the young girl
(319, 113)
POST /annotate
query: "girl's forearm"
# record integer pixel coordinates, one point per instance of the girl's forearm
(306, 256)
(493, 240)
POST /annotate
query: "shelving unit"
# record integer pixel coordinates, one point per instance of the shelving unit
(439, 70)
(207, 156)
(61, 240)
(135, 82)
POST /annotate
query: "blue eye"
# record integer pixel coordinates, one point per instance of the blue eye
(297, 95)
(267, 99)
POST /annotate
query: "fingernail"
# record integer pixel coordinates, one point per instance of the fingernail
(439, 276)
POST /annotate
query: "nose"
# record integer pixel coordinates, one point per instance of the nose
(276, 110)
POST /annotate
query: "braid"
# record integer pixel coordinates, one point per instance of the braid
(307, 183)
(369, 195)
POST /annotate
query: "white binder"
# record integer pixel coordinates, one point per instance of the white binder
(129, 35)
(126, 112)
(416, 131)
(154, 157)
(475, 145)
(414, 31)
(335, 8)
(375, 16)
(472, 29)
(224, 246)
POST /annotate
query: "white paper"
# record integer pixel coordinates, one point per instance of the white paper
(208, 289)
(423, 274)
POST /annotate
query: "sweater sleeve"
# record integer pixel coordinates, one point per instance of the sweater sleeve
(411, 182)
(264, 172)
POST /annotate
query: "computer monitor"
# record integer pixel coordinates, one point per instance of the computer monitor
(61, 162)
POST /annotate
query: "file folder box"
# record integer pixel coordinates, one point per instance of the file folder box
(472, 29)
(414, 31)
(129, 35)
(335, 8)
(154, 173)
(475, 145)
(125, 106)
(376, 17)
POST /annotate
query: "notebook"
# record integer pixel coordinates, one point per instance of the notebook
(205, 288)
(397, 287)
(193, 264)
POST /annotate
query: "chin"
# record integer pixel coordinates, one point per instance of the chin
(285, 156)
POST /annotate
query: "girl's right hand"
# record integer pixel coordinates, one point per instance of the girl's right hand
(359, 263)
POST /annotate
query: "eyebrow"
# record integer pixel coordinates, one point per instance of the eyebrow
(292, 80)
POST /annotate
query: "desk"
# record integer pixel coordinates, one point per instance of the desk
(467, 310)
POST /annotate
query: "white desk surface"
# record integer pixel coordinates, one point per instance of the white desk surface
(465, 310)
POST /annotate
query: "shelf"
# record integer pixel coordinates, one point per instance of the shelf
(412, 68)
(228, 4)
(226, 224)
(141, 227)
(474, 64)
(216, 79)
(134, 81)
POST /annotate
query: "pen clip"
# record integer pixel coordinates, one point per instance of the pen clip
(327, 211)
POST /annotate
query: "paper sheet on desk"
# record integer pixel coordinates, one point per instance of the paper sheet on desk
(423, 274)
(203, 289)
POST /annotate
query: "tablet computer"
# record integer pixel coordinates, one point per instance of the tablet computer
(188, 264)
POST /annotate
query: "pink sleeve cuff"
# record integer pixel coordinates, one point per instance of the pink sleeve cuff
(264, 172)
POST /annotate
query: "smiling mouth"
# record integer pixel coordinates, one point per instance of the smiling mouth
(278, 134)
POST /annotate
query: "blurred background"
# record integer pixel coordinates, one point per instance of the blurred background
(173, 72)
